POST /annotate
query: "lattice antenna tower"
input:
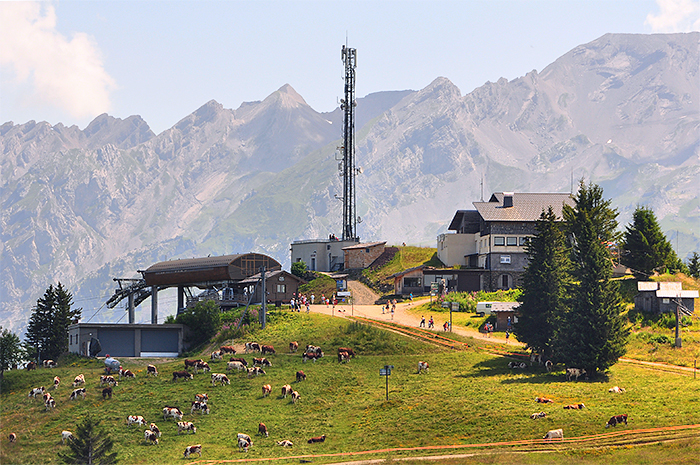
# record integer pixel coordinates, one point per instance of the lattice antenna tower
(347, 166)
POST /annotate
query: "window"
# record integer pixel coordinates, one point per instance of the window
(523, 240)
(411, 282)
(505, 259)
(505, 281)
(499, 240)
(281, 288)
(367, 250)
(511, 240)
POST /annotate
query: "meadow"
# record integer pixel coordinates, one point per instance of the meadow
(468, 397)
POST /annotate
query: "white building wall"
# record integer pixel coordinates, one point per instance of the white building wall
(452, 248)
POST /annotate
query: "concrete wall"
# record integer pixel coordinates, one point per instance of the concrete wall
(451, 248)
(124, 340)
(320, 255)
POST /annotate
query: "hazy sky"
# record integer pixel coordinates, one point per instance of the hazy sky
(69, 61)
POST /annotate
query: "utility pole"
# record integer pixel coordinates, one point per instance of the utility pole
(347, 104)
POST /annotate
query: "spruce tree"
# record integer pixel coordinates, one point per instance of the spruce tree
(645, 246)
(47, 330)
(544, 285)
(591, 333)
(90, 445)
(694, 265)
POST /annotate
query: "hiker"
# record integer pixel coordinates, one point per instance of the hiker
(422, 322)
(507, 336)
(431, 323)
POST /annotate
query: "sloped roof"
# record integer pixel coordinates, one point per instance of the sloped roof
(364, 245)
(269, 275)
(404, 272)
(526, 206)
(471, 215)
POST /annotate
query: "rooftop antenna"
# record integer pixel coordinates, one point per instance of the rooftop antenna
(347, 164)
(481, 185)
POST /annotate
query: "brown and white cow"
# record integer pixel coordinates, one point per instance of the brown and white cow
(293, 346)
(50, 364)
(243, 444)
(343, 357)
(153, 427)
(616, 420)
(423, 366)
(575, 407)
(252, 347)
(174, 412)
(295, 397)
(196, 449)
(239, 359)
(535, 416)
(219, 378)
(204, 366)
(13, 437)
(56, 382)
(262, 430)
(152, 370)
(126, 374)
(286, 390)
(182, 374)
(136, 420)
(263, 362)
(317, 439)
(108, 379)
(549, 365)
(267, 349)
(186, 426)
(554, 434)
(201, 397)
(107, 392)
(348, 350)
(50, 403)
(301, 376)
(234, 366)
(227, 350)
(79, 380)
(285, 443)
(616, 389)
(150, 437)
(255, 371)
(246, 437)
(311, 349)
(543, 400)
(266, 390)
(66, 436)
(31, 366)
(574, 373)
(77, 392)
(216, 355)
(37, 392)
(201, 406)
(310, 356)
(192, 363)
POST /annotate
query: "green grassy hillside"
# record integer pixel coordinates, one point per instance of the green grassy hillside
(468, 397)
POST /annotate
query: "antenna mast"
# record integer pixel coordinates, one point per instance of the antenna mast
(349, 57)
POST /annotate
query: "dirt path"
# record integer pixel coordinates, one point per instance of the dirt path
(361, 294)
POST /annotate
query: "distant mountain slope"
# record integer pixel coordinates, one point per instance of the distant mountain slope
(85, 206)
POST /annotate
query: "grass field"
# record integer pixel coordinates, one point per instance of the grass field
(469, 397)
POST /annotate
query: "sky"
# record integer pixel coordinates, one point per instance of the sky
(70, 61)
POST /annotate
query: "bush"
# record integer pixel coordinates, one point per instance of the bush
(203, 320)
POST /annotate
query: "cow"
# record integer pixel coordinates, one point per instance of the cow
(293, 346)
(255, 371)
(201, 406)
(348, 350)
(575, 407)
(543, 400)
(152, 370)
(310, 356)
(36, 392)
(266, 390)
(617, 390)
(45, 396)
(239, 359)
(50, 364)
(153, 427)
(252, 347)
(50, 403)
(234, 366)
(226, 350)
(246, 437)
(106, 392)
(317, 439)
(204, 366)
(13, 437)
(201, 397)
(263, 362)
(216, 355)
(285, 443)
(196, 449)
(31, 366)
(108, 379)
(535, 358)
(286, 390)
(616, 420)
(66, 436)
(535, 416)
(311, 349)
(77, 392)
(186, 426)
(554, 434)
(126, 374)
(243, 444)
(343, 357)
(574, 372)
(174, 412)
(262, 430)
(149, 435)
(219, 377)
(135, 420)
(548, 365)
(295, 396)
(192, 363)
(79, 380)
(301, 376)
(181, 374)
(56, 382)
(267, 349)
(423, 366)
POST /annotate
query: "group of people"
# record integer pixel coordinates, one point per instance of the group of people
(488, 329)
(431, 322)
(390, 307)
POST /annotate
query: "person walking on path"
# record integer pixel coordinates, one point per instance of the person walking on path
(422, 322)
(507, 336)
(431, 323)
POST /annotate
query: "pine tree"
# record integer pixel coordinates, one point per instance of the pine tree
(544, 285)
(11, 351)
(90, 445)
(47, 330)
(646, 248)
(694, 265)
(591, 333)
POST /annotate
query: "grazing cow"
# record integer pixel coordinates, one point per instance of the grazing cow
(293, 346)
(50, 364)
(46, 396)
(548, 365)
(535, 358)
(574, 372)
(317, 439)
(616, 420)
(37, 391)
(66, 436)
(286, 390)
(575, 407)
(216, 355)
(226, 350)
(285, 443)
(255, 371)
(201, 398)
(262, 430)
(543, 400)
(182, 374)
(266, 390)
(343, 357)
(108, 379)
(310, 356)
(31, 366)
(267, 349)
(243, 444)
(617, 390)
(149, 435)
(107, 392)
(295, 397)
(186, 426)
(301, 376)
(554, 434)
(196, 449)
(350, 352)
(423, 366)
(192, 363)
(204, 366)
(535, 416)
(126, 374)
(77, 392)
(136, 419)
(56, 382)
(155, 429)
(79, 380)
(263, 362)
(252, 347)
(246, 437)
(201, 406)
(239, 359)
(234, 366)
(13, 437)
(313, 350)
(521, 365)
(174, 412)
(219, 377)
(152, 370)
(50, 403)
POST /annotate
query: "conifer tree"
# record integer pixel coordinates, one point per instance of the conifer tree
(90, 445)
(544, 285)
(645, 246)
(694, 265)
(47, 330)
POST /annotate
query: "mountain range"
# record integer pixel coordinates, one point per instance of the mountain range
(85, 206)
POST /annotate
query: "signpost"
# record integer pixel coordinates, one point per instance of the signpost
(433, 290)
(348, 294)
(386, 371)
(454, 308)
